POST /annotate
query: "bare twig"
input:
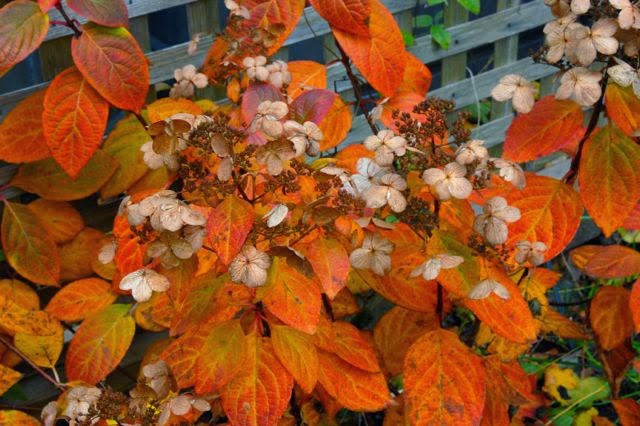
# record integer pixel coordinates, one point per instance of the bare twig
(25, 358)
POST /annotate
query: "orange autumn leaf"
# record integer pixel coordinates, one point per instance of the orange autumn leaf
(76, 256)
(99, 344)
(336, 124)
(164, 108)
(80, 299)
(461, 279)
(15, 417)
(222, 357)
(8, 378)
(380, 56)
(47, 179)
(633, 221)
(228, 226)
(112, 61)
(298, 355)
(580, 256)
(610, 316)
(43, 351)
(402, 101)
(130, 250)
(23, 26)
(550, 212)
(608, 177)
(291, 296)
(28, 247)
(181, 278)
(628, 411)
(111, 14)
(550, 126)
(353, 388)
(554, 322)
(330, 262)
(21, 293)
(14, 319)
(417, 77)
(60, 219)
(306, 75)
(444, 381)
(634, 304)
(623, 108)
(260, 394)
(351, 16)
(614, 261)
(352, 347)
(396, 331)
(181, 357)
(74, 120)
(266, 13)
(21, 135)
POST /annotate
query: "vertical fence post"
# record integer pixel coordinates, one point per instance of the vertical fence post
(454, 67)
(505, 52)
(203, 17)
(139, 28)
(55, 56)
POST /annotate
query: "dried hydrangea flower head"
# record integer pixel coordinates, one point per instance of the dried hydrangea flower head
(430, 269)
(80, 400)
(236, 10)
(625, 75)
(172, 247)
(368, 173)
(492, 222)
(107, 252)
(279, 74)
(187, 80)
(276, 215)
(530, 252)
(580, 7)
(559, 8)
(181, 405)
(518, 89)
(581, 85)
(275, 155)
(373, 255)
(386, 146)
(158, 377)
(256, 68)
(388, 190)
(471, 151)
(249, 267)
(143, 283)
(585, 43)
(49, 413)
(555, 37)
(305, 137)
(511, 172)
(484, 288)
(450, 182)
(268, 116)
(629, 16)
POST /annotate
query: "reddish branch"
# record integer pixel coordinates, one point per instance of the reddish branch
(25, 358)
(71, 23)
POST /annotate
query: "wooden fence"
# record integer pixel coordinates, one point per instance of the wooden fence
(500, 29)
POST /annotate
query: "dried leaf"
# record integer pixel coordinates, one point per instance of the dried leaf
(60, 219)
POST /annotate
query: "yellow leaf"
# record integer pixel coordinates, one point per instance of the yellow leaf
(554, 377)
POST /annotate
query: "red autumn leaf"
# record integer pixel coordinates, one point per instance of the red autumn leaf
(510, 318)
(60, 219)
(633, 221)
(336, 124)
(74, 120)
(291, 296)
(509, 381)
(614, 261)
(623, 107)
(396, 331)
(628, 411)
(306, 75)
(45, 5)
(444, 381)
(354, 348)
(27, 245)
(21, 136)
(47, 179)
(355, 389)
(260, 394)
(181, 357)
(296, 352)
(312, 105)
(330, 262)
(23, 26)
(223, 356)
(549, 127)
(229, 224)
(110, 13)
(608, 177)
(255, 94)
(350, 16)
(80, 299)
(268, 13)
(182, 279)
(381, 56)
(634, 304)
(130, 250)
(99, 344)
(611, 317)
(112, 61)
(550, 212)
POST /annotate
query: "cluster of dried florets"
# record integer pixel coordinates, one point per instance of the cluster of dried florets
(276, 72)
(586, 40)
(188, 79)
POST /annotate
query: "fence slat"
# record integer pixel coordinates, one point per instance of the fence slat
(454, 67)
(505, 51)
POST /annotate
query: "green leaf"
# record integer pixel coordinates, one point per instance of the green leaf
(408, 38)
(472, 6)
(435, 2)
(424, 21)
(441, 36)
